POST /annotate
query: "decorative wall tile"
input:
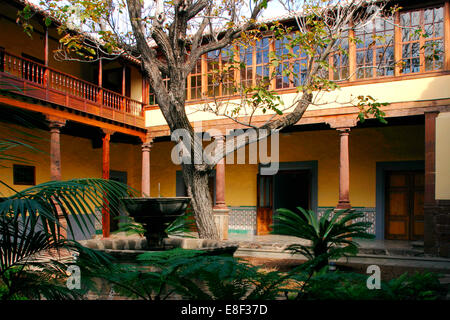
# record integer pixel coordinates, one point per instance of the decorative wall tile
(369, 215)
(242, 218)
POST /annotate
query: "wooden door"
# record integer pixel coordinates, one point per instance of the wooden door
(404, 219)
(264, 208)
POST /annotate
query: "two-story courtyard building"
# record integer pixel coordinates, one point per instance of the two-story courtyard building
(104, 122)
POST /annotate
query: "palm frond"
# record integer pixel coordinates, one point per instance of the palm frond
(330, 235)
(31, 264)
(182, 225)
(77, 198)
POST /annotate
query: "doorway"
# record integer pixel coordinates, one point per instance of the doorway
(294, 185)
(404, 205)
(293, 189)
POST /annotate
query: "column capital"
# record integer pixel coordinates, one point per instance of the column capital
(108, 131)
(339, 122)
(147, 139)
(343, 130)
(55, 123)
(147, 146)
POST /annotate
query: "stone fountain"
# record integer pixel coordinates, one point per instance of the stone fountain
(155, 214)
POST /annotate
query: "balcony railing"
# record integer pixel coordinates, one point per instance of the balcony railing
(45, 83)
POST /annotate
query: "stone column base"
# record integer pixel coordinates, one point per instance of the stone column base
(221, 220)
(437, 229)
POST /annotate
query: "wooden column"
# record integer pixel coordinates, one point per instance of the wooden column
(221, 210)
(46, 47)
(106, 219)
(430, 157)
(344, 169)
(100, 81)
(397, 44)
(145, 91)
(123, 105)
(220, 179)
(55, 147)
(146, 147)
(430, 180)
(55, 125)
(447, 34)
(352, 54)
(124, 75)
(45, 80)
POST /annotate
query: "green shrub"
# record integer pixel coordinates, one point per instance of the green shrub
(330, 235)
(352, 286)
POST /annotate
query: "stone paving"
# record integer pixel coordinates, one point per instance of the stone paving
(380, 247)
(272, 243)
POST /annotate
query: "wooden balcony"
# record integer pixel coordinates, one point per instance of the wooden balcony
(38, 81)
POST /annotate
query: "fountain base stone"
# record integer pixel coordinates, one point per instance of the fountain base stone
(130, 247)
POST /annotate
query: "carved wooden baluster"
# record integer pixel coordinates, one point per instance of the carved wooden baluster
(16, 68)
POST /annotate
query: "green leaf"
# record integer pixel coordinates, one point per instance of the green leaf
(48, 21)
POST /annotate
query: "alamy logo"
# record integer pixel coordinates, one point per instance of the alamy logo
(74, 280)
(373, 281)
(190, 150)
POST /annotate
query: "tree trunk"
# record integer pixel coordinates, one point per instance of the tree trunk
(201, 202)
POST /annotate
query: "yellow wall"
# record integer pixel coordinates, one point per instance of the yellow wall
(78, 158)
(162, 170)
(443, 156)
(367, 146)
(136, 84)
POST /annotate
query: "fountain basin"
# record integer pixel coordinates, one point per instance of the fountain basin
(170, 206)
(155, 214)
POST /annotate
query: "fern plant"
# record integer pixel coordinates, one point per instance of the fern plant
(193, 275)
(29, 220)
(330, 236)
(31, 266)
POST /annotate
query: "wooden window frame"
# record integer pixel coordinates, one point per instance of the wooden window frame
(252, 66)
(258, 49)
(226, 80)
(208, 72)
(422, 40)
(282, 62)
(21, 183)
(220, 65)
(196, 72)
(374, 47)
(352, 63)
(339, 69)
